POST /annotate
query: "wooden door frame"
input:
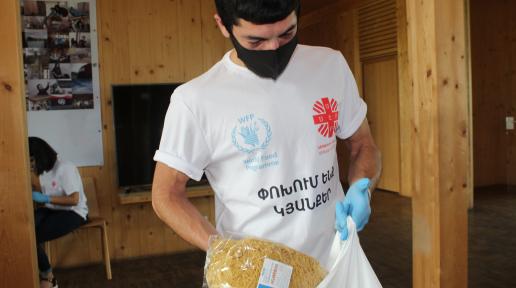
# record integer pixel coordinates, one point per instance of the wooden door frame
(363, 63)
(471, 171)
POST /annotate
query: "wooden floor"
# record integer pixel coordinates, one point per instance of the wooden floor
(386, 241)
(492, 239)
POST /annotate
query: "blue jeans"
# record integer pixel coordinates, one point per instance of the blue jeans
(52, 224)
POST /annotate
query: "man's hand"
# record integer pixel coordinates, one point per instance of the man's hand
(355, 204)
(40, 197)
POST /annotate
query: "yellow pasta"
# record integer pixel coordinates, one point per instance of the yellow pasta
(238, 263)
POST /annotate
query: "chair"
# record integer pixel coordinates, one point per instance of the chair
(94, 221)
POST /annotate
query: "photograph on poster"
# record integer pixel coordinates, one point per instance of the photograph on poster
(81, 24)
(36, 61)
(81, 9)
(59, 55)
(57, 17)
(79, 55)
(39, 87)
(34, 22)
(58, 25)
(81, 78)
(82, 101)
(49, 94)
(33, 8)
(35, 38)
(60, 71)
(49, 88)
(58, 40)
(79, 14)
(56, 10)
(80, 39)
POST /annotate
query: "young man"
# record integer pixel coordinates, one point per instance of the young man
(262, 125)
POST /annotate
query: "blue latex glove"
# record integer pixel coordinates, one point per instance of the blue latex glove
(40, 197)
(355, 204)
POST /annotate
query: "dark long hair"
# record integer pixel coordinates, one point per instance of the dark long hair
(44, 155)
(254, 11)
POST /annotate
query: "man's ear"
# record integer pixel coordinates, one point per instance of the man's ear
(221, 26)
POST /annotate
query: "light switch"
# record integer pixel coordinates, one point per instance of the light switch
(509, 123)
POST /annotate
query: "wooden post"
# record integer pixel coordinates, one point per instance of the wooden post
(438, 73)
(18, 267)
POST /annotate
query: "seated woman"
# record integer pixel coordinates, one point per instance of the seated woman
(63, 202)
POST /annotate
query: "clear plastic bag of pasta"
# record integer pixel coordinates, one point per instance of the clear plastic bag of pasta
(254, 263)
(251, 262)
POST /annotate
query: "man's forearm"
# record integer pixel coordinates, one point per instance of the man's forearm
(365, 163)
(183, 217)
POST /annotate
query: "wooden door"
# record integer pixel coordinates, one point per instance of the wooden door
(381, 94)
(493, 64)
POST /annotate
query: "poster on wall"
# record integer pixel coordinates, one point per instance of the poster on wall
(60, 59)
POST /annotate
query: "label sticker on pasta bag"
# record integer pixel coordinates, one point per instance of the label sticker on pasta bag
(274, 274)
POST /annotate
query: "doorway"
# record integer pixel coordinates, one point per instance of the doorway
(493, 66)
(492, 221)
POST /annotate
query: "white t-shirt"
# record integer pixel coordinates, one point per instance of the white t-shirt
(63, 180)
(268, 148)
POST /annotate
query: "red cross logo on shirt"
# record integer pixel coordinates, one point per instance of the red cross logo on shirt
(327, 116)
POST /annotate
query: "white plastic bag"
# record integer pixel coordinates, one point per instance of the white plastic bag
(350, 268)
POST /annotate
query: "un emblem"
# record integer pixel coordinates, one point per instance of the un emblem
(251, 134)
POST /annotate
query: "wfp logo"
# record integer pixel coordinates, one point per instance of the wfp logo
(251, 134)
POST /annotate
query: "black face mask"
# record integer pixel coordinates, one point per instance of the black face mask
(266, 63)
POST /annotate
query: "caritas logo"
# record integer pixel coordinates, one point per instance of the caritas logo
(326, 117)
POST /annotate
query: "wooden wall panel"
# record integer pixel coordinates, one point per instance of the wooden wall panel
(190, 45)
(309, 6)
(381, 96)
(18, 266)
(213, 44)
(493, 38)
(334, 31)
(141, 42)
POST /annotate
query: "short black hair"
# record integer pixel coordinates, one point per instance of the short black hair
(255, 11)
(44, 155)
